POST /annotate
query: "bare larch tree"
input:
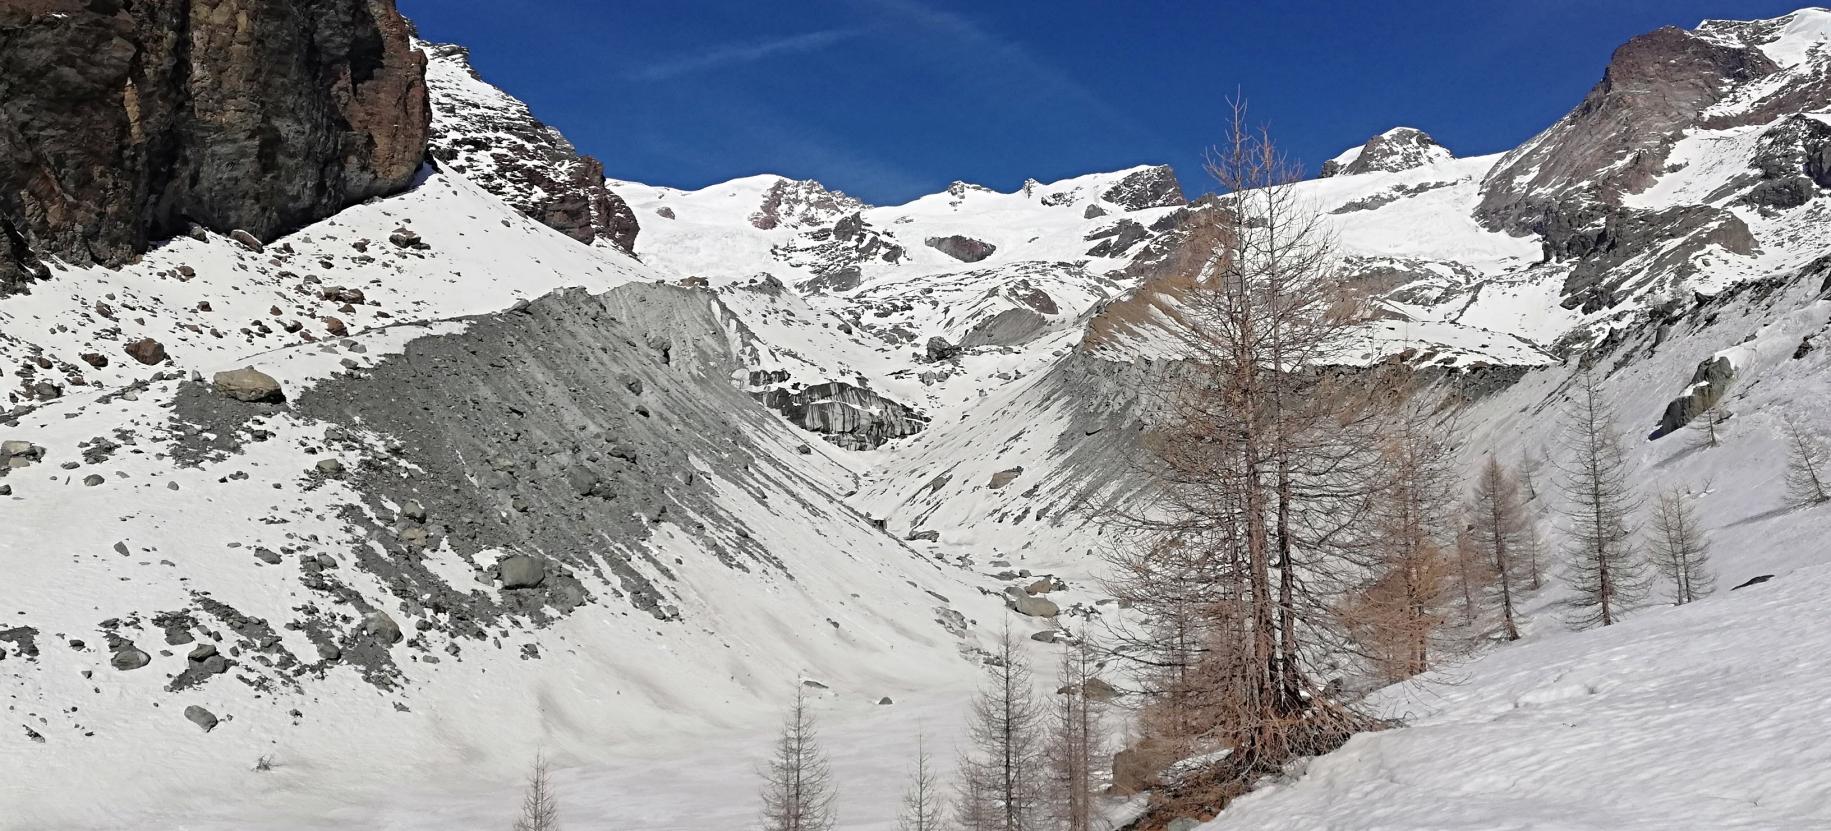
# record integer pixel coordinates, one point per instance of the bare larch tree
(1264, 464)
(1503, 531)
(1075, 739)
(1603, 567)
(1001, 775)
(1806, 482)
(1679, 548)
(797, 782)
(923, 806)
(539, 807)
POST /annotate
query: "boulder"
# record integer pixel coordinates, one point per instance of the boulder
(1043, 586)
(1034, 606)
(248, 241)
(940, 349)
(146, 351)
(1709, 382)
(16, 453)
(1098, 690)
(964, 249)
(201, 717)
(1005, 477)
(381, 626)
(129, 658)
(329, 467)
(250, 385)
(521, 571)
(93, 480)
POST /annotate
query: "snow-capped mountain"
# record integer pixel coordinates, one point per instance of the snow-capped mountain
(532, 459)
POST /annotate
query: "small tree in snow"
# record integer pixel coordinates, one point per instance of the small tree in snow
(1708, 426)
(1604, 571)
(1680, 551)
(1075, 740)
(1503, 532)
(539, 808)
(1001, 787)
(797, 785)
(1806, 481)
(922, 803)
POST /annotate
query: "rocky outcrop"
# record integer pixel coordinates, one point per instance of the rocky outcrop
(964, 249)
(837, 255)
(126, 122)
(1616, 141)
(494, 140)
(1708, 386)
(1117, 239)
(1400, 148)
(850, 417)
(1151, 187)
(1603, 239)
(798, 204)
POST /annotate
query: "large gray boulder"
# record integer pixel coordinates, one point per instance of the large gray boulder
(1709, 383)
(1034, 606)
(520, 571)
(381, 626)
(964, 249)
(16, 453)
(250, 385)
(201, 717)
(129, 658)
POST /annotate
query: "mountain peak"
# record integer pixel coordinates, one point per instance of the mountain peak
(1400, 148)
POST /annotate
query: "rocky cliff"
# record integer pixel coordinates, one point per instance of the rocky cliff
(494, 140)
(125, 122)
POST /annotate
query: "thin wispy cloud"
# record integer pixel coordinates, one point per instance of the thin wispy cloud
(739, 54)
(1005, 71)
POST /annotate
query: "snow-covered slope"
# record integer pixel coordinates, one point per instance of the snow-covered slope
(619, 506)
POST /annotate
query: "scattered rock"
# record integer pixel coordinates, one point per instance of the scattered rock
(1005, 477)
(1753, 581)
(95, 359)
(334, 326)
(93, 479)
(147, 351)
(404, 238)
(1043, 586)
(329, 468)
(250, 385)
(248, 241)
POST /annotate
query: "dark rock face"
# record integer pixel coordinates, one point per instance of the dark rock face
(1708, 385)
(125, 122)
(1601, 239)
(850, 417)
(535, 170)
(1117, 239)
(1616, 141)
(964, 249)
(1152, 187)
(838, 254)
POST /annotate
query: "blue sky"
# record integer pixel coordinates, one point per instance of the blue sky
(891, 99)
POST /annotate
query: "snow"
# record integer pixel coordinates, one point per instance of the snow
(1708, 715)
